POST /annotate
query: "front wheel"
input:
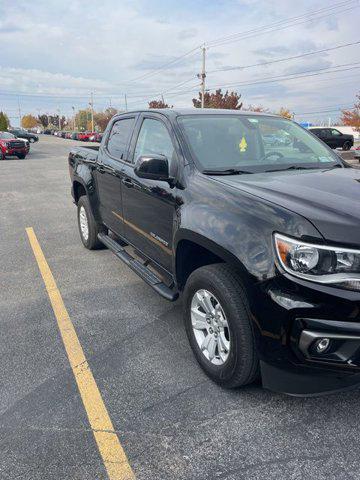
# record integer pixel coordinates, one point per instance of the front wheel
(218, 325)
(88, 227)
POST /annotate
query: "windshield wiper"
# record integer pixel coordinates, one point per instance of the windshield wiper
(229, 171)
(292, 167)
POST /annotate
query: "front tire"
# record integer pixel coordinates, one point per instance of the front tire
(88, 227)
(218, 325)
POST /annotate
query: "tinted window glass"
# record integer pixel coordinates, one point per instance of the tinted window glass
(253, 143)
(336, 133)
(119, 136)
(153, 138)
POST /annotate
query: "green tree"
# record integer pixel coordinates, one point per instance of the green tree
(4, 121)
(81, 119)
(219, 100)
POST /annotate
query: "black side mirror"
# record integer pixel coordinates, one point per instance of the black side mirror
(153, 167)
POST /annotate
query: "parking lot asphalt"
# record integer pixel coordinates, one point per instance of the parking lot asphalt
(172, 421)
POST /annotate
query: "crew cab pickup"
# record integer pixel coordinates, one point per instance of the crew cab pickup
(334, 138)
(260, 238)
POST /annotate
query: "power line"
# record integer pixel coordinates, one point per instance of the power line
(243, 67)
(283, 24)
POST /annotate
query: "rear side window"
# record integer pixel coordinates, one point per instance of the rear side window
(119, 137)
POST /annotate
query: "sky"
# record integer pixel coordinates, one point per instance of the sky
(54, 54)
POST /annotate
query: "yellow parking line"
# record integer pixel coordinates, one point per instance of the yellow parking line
(110, 449)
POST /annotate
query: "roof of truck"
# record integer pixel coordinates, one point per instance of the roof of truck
(174, 112)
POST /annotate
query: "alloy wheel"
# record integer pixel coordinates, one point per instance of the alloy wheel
(210, 327)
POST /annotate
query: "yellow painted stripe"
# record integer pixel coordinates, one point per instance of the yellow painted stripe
(110, 449)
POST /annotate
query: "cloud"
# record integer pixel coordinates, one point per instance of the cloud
(64, 48)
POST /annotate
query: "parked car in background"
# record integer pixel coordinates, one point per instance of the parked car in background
(20, 133)
(47, 131)
(357, 153)
(334, 138)
(12, 146)
(84, 136)
(97, 137)
(74, 135)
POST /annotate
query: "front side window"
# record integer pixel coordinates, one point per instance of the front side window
(252, 143)
(153, 139)
(336, 133)
(119, 137)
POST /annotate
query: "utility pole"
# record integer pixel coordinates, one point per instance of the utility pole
(202, 76)
(126, 106)
(92, 111)
(162, 98)
(59, 118)
(19, 111)
(73, 109)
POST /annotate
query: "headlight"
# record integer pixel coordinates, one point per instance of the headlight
(319, 263)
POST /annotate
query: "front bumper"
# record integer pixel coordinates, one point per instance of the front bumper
(291, 319)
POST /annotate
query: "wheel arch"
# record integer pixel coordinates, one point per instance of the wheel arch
(193, 250)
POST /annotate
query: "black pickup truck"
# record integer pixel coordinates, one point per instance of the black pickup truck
(261, 239)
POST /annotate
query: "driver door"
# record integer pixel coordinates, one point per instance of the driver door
(149, 205)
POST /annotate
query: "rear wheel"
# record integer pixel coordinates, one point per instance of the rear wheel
(218, 325)
(346, 146)
(88, 227)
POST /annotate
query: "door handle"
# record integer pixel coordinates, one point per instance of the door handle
(128, 182)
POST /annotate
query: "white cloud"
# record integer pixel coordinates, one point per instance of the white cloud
(70, 48)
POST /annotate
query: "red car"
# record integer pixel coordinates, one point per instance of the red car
(12, 146)
(84, 136)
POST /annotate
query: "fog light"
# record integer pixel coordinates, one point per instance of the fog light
(322, 344)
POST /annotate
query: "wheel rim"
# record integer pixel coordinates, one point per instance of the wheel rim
(84, 225)
(210, 327)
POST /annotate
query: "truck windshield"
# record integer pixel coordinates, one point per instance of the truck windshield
(252, 143)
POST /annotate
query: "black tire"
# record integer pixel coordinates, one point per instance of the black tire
(21, 157)
(242, 364)
(92, 242)
(346, 146)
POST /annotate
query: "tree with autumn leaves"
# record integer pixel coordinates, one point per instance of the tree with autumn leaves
(227, 100)
(352, 117)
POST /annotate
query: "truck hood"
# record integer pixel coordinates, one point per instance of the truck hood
(330, 199)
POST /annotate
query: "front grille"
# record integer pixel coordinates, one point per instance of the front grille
(16, 144)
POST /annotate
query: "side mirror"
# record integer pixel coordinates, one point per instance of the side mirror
(153, 167)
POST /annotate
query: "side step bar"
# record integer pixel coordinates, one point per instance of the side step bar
(144, 272)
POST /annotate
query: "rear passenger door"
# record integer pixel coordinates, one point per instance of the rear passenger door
(112, 155)
(149, 205)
